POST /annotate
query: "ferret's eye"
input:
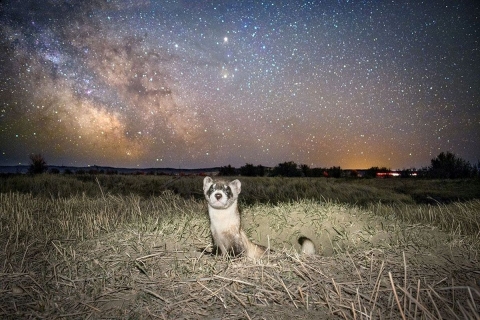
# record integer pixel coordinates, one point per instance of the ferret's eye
(210, 190)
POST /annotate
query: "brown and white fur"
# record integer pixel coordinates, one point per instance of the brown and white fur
(227, 234)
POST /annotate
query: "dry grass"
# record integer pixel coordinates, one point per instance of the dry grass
(132, 257)
(461, 218)
(254, 189)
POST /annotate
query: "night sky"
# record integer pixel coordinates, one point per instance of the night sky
(192, 84)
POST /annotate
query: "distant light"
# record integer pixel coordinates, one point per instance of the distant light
(388, 174)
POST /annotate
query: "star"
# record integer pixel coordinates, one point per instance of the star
(350, 84)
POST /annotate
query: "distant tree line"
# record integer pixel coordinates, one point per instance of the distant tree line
(285, 169)
(445, 166)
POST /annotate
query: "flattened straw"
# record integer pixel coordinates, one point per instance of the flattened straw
(24, 254)
(356, 292)
(410, 290)
(365, 312)
(299, 273)
(327, 301)
(471, 297)
(301, 296)
(38, 285)
(396, 296)
(140, 266)
(268, 249)
(404, 279)
(425, 311)
(356, 269)
(464, 313)
(376, 288)
(453, 292)
(307, 301)
(337, 289)
(263, 279)
(246, 314)
(198, 279)
(442, 280)
(215, 293)
(296, 259)
(475, 313)
(359, 302)
(234, 280)
(470, 289)
(417, 299)
(445, 302)
(236, 297)
(303, 267)
(91, 307)
(339, 310)
(433, 302)
(286, 289)
(56, 248)
(371, 266)
(150, 256)
(353, 310)
(156, 295)
(201, 255)
(70, 315)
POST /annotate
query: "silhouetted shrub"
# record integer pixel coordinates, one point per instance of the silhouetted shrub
(249, 170)
(449, 166)
(227, 171)
(37, 164)
(287, 169)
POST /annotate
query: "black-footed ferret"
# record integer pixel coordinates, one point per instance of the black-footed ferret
(225, 225)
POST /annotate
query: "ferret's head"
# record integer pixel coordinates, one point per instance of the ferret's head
(221, 194)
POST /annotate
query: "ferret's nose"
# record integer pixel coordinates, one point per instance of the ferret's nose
(218, 196)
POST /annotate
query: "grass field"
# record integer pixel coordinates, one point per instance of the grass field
(131, 247)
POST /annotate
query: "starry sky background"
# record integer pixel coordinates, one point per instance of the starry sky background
(192, 84)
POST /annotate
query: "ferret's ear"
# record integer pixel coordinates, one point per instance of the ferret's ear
(236, 186)
(207, 182)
